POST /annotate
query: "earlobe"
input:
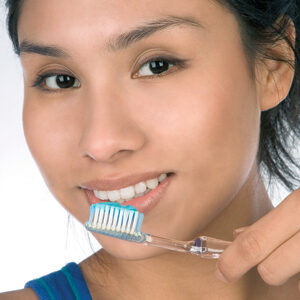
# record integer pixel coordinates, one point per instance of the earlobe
(276, 77)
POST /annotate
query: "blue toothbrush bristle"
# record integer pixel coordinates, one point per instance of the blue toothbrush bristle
(116, 220)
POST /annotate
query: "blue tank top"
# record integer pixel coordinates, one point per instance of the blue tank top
(66, 284)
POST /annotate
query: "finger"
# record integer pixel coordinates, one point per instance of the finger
(261, 238)
(283, 263)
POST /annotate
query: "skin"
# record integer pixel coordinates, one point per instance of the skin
(201, 122)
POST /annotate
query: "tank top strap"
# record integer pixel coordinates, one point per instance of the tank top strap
(67, 283)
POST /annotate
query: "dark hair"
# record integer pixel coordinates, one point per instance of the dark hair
(262, 24)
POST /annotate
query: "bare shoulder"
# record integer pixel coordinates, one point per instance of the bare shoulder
(24, 294)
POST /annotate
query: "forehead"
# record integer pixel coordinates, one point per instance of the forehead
(60, 18)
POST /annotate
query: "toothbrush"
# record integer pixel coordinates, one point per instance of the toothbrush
(125, 222)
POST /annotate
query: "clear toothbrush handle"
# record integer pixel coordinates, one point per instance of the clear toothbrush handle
(208, 247)
(203, 246)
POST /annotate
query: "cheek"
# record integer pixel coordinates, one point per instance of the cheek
(210, 125)
(228, 125)
(50, 134)
(48, 143)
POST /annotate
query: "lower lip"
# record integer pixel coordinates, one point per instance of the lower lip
(144, 203)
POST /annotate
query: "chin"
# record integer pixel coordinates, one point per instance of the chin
(128, 250)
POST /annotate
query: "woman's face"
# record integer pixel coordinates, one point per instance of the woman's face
(200, 119)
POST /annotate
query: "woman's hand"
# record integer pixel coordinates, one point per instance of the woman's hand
(272, 243)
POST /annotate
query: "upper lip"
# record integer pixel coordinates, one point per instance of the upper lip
(118, 183)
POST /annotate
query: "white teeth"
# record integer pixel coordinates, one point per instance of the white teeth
(127, 193)
(162, 177)
(130, 192)
(140, 187)
(101, 194)
(113, 195)
(152, 183)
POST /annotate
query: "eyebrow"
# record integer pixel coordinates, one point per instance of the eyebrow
(120, 42)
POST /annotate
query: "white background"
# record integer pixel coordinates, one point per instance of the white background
(34, 236)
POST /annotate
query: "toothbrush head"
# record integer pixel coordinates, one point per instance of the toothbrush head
(116, 220)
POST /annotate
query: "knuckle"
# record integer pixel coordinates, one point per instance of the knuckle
(250, 247)
(269, 275)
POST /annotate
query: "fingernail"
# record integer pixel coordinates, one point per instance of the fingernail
(220, 276)
(239, 230)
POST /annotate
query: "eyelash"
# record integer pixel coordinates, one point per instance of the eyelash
(178, 63)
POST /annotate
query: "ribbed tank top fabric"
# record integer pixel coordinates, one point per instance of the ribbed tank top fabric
(66, 284)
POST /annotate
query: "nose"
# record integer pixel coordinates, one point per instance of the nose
(109, 130)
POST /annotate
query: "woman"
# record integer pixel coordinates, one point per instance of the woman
(207, 91)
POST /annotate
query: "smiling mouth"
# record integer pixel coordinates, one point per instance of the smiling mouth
(130, 192)
(143, 204)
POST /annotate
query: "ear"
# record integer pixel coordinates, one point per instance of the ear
(275, 78)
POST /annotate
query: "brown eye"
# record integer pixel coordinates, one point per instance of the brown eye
(61, 81)
(155, 67)
(55, 82)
